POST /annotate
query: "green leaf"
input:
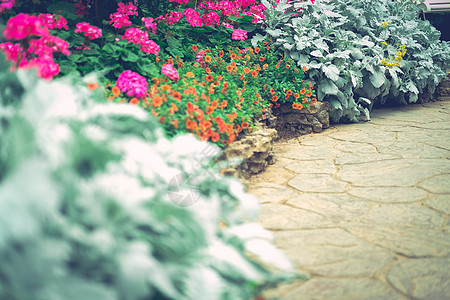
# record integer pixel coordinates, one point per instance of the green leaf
(328, 87)
(130, 56)
(316, 53)
(331, 72)
(377, 78)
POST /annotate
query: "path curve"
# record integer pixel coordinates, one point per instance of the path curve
(364, 208)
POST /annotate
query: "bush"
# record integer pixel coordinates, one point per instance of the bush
(95, 203)
(354, 51)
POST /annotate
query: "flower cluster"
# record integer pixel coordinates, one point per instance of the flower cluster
(193, 17)
(119, 20)
(127, 9)
(22, 26)
(53, 21)
(89, 31)
(132, 84)
(35, 46)
(170, 72)
(6, 5)
(239, 34)
(149, 23)
(395, 62)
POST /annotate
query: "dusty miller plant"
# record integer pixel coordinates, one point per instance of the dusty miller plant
(343, 44)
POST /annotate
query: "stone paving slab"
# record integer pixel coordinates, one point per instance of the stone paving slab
(364, 208)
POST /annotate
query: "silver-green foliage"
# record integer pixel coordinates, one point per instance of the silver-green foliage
(86, 212)
(340, 42)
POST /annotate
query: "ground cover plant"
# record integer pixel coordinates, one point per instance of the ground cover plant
(359, 54)
(114, 210)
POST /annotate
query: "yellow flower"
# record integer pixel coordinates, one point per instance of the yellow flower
(384, 43)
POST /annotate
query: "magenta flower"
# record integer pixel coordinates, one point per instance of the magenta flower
(46, 45)
(193, 17)
(135, 35)
(22, 26)
(170, 72)
(46, 67)
(228, 25)
(91, 32)
(120, 20)
(11, 50)
(239, 34)
(173, 18)
(6, 5)
(128, 9)
(150, 46)
(149, 23)
(210, 19)
(53, 21)
(132, 84)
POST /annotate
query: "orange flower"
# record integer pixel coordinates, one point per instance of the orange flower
(247, 57)
(308, 93)
(215, 104)
(157, 59)
(303, 91)
(157, 101)
(289, 92)
(310, 85)
(116, 91)
(155, 81)
(296, 95)
(111, 98)
(220, 77)
(265, 43)
(261, 58)
(274, 98)
(305, 100)
(233, 56)
(208, 58)
(215, 137)
(299, 106)
(313, 100)
(170, 61)
(237, 128)
(175, 123)
(207, 51)
(246, 70)
(294, 105)
(233, 63)
(208, 70)
(194, 47)
(165, 87)
(265, 66)
(209, 78)
(221, 53)
(190, 74)
(92, 86)
(258, 95)
(272, 91)
(229, 68)
(196, 64)
(134, 101)
(257, 50)
(225, 84)
(223, 104)
(244, 125)
(177, 95)
(242, 77)
(305, 69)
(288, 66)
(180, 64)
(254, 74)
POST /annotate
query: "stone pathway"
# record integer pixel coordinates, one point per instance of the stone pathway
(364, 208)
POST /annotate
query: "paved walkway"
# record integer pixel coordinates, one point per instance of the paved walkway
(364, 208)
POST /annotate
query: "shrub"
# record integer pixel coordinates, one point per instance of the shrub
(95, 203)
(351, 47)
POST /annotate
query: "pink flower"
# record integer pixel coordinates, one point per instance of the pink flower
(150, 46)
(193, 17)
(6, 4)
(133, 84)
(210, 19)
(228, 25)
(148, 23)
(128, 9)
(11, 50)
(46, 45)
(22, 26)
(173, 18)
(53, 21)
(91, 32)
(120, 20)
(46, 68)
(170, 72)
(135, 35)
(239, 34)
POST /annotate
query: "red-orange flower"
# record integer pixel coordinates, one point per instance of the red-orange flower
(246, 70)
(308, 93)
(272, 91)
(134, 101)
(305, 69)
(215, 137)
(177, 95)
(296, 95)
(289, 92)
(208, 58)
(257, 50)
(244, 125)
(190, 74)
(303, 91)
(209, 78)
(274, 98)
(233, 56)
(194, 47)
(221, 53)
(229, 68)
(261, 58)
(157, 101)
(265, 66)
(116, 91)
(92, 86)
(313, 100)
(165, 87)
(254, 73)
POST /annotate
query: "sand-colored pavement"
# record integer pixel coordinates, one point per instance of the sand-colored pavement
(364, 208)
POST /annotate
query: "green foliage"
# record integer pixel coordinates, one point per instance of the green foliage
(343, 44)
(87, 204)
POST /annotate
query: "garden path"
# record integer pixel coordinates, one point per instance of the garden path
(364, 208)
